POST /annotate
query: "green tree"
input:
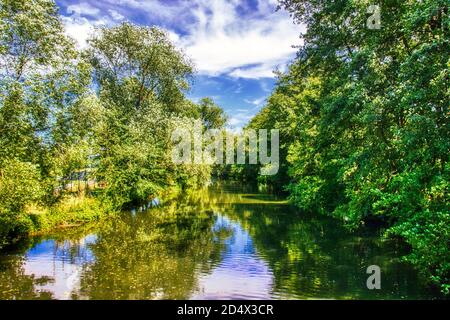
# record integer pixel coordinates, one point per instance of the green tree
(212, 116)
(31, 36)
(142, 79)
(136, 65)
(365, 118)
(44, 104)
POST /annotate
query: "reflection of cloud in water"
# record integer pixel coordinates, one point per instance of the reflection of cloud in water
(241, 274)
(61, 262)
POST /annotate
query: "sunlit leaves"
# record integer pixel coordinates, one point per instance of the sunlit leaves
(373, 140)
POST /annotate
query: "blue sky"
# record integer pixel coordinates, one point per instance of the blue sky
(235, 44)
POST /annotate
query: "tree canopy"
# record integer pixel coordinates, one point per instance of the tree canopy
(363, 115)
(105, 113)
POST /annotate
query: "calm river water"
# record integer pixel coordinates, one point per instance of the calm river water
(225, 242)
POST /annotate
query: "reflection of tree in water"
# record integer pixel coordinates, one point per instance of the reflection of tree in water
(313, 256)
(162, 252)
(68, 246)
(16, 285)
(154, 254)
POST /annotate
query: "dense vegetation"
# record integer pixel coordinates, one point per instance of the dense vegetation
(104, 114)
(364, 122)
(362, 113)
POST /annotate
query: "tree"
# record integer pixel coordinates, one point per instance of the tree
(31, 36)
(212, 116)
(135, 65)
(44, 94)
(365, 116)
(142, 77)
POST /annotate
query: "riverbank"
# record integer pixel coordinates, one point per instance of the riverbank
(70, 211)
(73, 210)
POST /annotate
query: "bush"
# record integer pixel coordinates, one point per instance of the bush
(19, 186)
(428, 233)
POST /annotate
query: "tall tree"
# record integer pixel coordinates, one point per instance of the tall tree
(31, 36)
(365, 112)
(43, 89)
(139, 64)
(142, 78)
(212, 116)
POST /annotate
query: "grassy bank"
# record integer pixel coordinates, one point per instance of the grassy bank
(71, 211)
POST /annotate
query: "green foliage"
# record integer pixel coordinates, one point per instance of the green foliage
(41, 87)
(19, 186)
(53, 125)
(364, 121)
(69, 211)
(31, 35)
(142, 77)
(428, 233)
(137, 64)
(212, 115)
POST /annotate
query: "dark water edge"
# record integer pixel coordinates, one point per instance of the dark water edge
(224, 242)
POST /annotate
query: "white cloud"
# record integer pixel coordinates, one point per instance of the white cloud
(215, 34)
(83, 9)
(221, 42)
(80, 28)
(256, 102)
(239, 119)
(263, 70)
(115, 15)
(173, 36)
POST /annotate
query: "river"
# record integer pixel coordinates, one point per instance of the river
(224, 242)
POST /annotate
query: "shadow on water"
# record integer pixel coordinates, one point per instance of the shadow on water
(224, 242)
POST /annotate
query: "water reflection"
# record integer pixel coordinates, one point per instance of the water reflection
(241, 273)
(220, 243)
(49, 270)
(61, 263)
